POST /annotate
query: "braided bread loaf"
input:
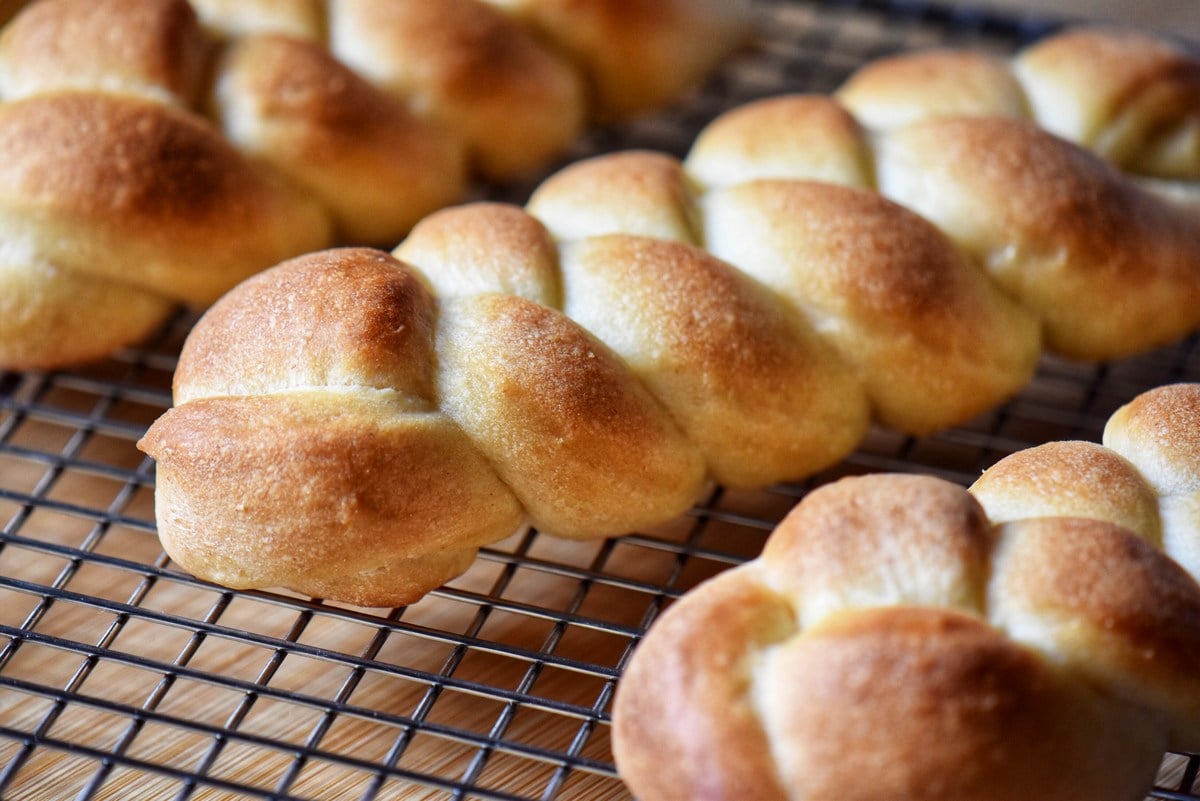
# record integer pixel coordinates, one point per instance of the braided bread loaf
(1048, 654)
(585, 364)
(887, 623)
(346, 121)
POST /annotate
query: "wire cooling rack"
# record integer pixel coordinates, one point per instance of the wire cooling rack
(121, 677)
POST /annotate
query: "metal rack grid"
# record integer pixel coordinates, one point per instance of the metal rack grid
(121, 677)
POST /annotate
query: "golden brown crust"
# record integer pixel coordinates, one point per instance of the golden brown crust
(899, 90)
(359, 151)
(949, 709)
(466, 65)
(579, 440)
(1144, 477)
(1105, 263)
(920, 541)
(638, 54)
(1110, 603)
(928, 336)
(635, 192)
(145, 47)
(485, 247)
(316, 460)
(803, 137)
(515, 391)
(671, 686)
(692, 360)
(758, 393)
(353, 318)
(137, 197)
(1070, 479)
(40, 323)
(929, 339)
(470, 63)
(325, 493)
(174, 188)
(1108, 267)
(745, 381)
(1132, 98)
(1129, 97)
(1062, 641)
(1159, 431)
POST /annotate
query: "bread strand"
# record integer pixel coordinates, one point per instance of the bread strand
(1026, 638)
(320, 152)
(1144, 476)
(1132, 98)
(705, 373)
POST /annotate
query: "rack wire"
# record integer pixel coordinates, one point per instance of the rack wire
(122, 677)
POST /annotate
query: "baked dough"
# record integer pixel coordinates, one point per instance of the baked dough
(112, 208)
(1132, 98)
(265, 129)
(647, 324)
(1106, 264)
(887, 620)
(452, 422)
(1145, 476)
(972, 644)
(638, 330)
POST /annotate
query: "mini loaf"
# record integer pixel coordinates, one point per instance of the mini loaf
(1026, 639)
(645, 325)
(892, 643)
(630, 335)
(263, 130)
(1029, 638)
